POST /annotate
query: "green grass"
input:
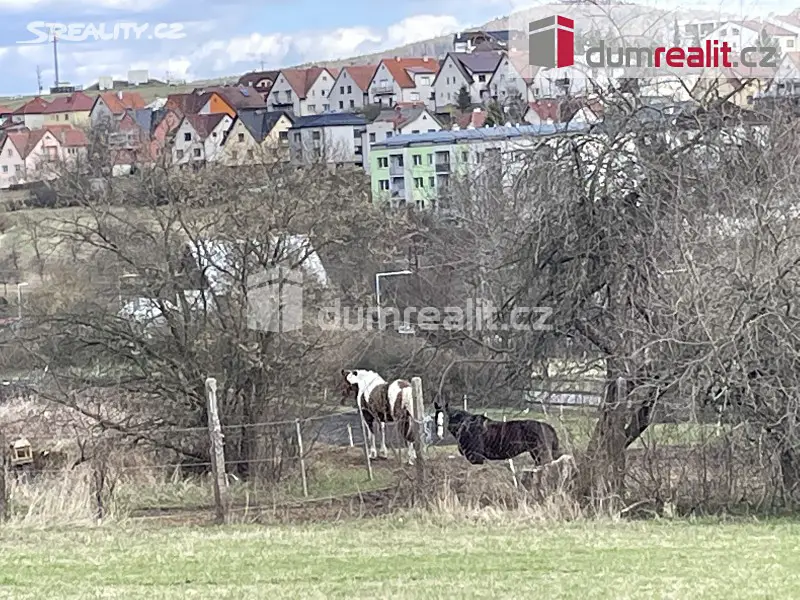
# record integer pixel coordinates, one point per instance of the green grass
(406, 559)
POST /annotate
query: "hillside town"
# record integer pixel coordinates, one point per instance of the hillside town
(369, 117)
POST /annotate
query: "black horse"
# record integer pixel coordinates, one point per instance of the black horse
(480, 438)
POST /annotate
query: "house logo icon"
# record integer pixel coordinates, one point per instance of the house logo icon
(551, 42)
(275, 300)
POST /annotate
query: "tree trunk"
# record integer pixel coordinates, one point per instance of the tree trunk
(790, 474)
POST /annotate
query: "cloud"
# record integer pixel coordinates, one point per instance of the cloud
(80, 5)
(421, 27)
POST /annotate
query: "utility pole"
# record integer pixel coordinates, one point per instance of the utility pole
(39, 78)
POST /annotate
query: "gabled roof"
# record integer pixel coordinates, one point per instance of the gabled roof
(252, 78)
(401, 115)
(360, 74)
(238, 96)
(526, 71)
(119, 102)
(4, 110)
(475, 63)
(68, 136)
(260, 122)
(205, 124)
(34, 106)
(399, 67)
(767, 28)
(301, 80)
(186, 104)
(474, 119)
(791, 19)
(25, 141)
(329, 120)
(76, 102)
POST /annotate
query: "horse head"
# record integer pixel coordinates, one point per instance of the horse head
(349, 385)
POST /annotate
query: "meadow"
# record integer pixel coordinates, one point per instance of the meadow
(439, 555)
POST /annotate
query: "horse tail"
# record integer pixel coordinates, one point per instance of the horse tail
(407, 398)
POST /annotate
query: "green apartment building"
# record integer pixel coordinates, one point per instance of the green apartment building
(417, 168)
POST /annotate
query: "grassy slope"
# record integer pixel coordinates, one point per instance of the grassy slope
(406, 560)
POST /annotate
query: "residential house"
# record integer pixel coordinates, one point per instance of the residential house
(404, 80)
(31, 114)
(351, 88)
(468, 41)
(73, 109)
(27, 155)
(400, 120)
(112, 106)
(463, 69)
(260, 81)
(744, 34)
(5, 114)
(739, 85)
(74, 144)
(790, 21)
(303, 92)
(424, 168)
(230, 99)
(513, 78)
(560, 110)
(257, 136)
(334, 138)
(786, 81)
(199, 138)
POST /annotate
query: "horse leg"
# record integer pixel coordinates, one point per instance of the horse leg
(408, 436)
(384, 449)
(369, 422)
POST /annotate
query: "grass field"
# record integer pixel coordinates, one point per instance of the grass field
(407, 558)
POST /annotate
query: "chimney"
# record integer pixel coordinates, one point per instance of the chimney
(455, 127)
(397, 58)
(119, 94)
(477, 109)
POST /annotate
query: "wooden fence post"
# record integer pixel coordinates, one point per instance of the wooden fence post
(513, 472)
(350, 434)
(217, 453)
(302, 457)
(366, 443)
(465, 402)
(419, 412)
(3, 478)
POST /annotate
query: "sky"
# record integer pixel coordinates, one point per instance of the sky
(200, 39)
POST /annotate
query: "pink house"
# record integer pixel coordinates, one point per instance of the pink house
(34, 155)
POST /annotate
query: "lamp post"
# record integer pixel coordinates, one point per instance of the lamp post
(378, 287)
(19, 298)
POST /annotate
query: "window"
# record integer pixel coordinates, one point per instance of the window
(312, 108)
(297, 136)
(352, 103)
(283, 137)
(388, 134)
(349, 89)
(326, 107)
(418, 182)
(482, 78)
(430, 159)
(5, 168)
(735, 31)
(315, 135)
(384, 183)
(197, 152)
(187, 137)
(341, 90)
(66, 117)
(415, 131)
(322, 93)
(372, 138)
(250, 154)
(464, 155)
(431, 181)
(234, 155)
(383, 162)
(431, 130)
(179, 154)
(10, 152)
(214, 134)
(341, 103)
(241, 137)
(417, 160)
(18, 168)
(790, 43)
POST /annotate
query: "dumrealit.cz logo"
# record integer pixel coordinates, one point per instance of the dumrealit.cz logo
(551, 44)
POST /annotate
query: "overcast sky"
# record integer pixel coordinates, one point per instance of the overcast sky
(212, 39)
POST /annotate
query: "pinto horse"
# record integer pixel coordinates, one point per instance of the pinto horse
(480, 438)
(387, 402)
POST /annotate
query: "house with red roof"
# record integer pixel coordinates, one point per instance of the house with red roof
(28, 156)
(199, 139)
(113, 106)
(31, 114)
(5, 114)
(230, 99)
(403, 80)
(351, 89)
(73, 109)
(303, 92)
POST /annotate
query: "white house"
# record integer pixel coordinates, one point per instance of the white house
(32, 113)
(787, 77)
(473, 70)
(744, 34)
(25, 156)
(199, 138)
(334, 138)
(303, 92)
(403, 80)
(351, 88)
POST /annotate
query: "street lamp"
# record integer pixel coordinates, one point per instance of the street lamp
(378, 287)
(19, 298)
